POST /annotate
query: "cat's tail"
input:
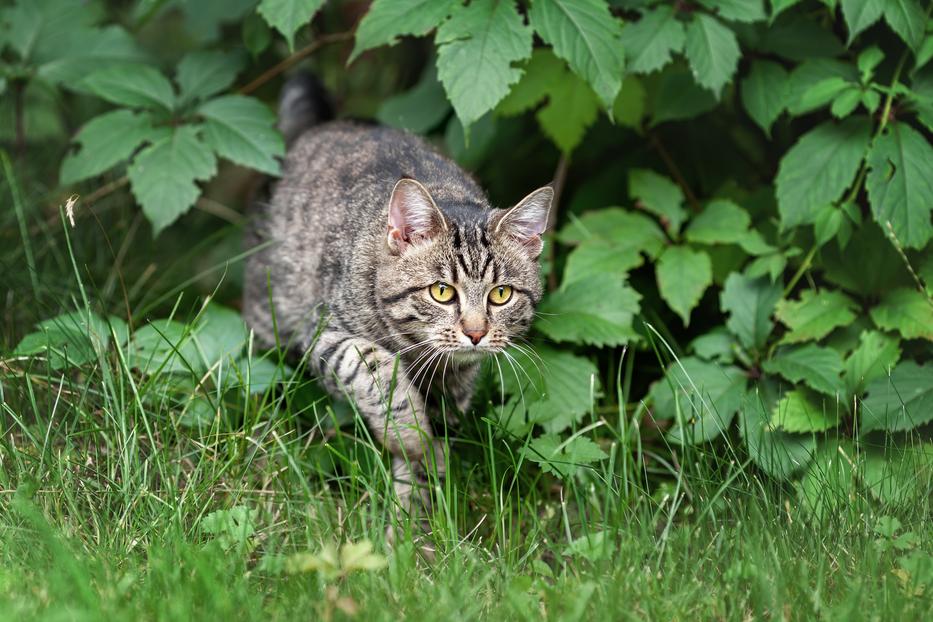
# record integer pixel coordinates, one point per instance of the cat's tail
(303, 103)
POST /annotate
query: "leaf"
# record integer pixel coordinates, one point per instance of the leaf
(828, 487)
(907, 19)
(233, 528)
(650, 41)
(819, 168)
(720, 222)
(717, 345)
(778, 453)
(164, 346)
(387, 20)
(815, 366)
(287, 16)
(658, 195)
(132, 85)
(220, 335)
(597, 312)
(586, 35)
(749, 303)
(798, 37)
(815, 314)
(201, 74)
(562, 458)
(860, 14)
(68, 340)
(617, 226)
(899, 402)
(712, 51)
(683, 275)
(418, 110)
(360, 556)
(897, 476)
(875, 269)
(242, 129)
(106, 141)
(162, 175)
(737, 10)
(900, 187)
(592, 546)
(476, 49)
(678, 97)
(810, 73)
(907, 311)
(629, 108)
(874, 358)
(81, 51)
(595, 257)
(254, 375)
(797, 412)
(764, 93)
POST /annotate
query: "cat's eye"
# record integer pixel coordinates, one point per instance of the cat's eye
(442, 292)
(500, 294)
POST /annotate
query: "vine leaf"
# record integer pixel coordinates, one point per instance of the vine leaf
(598, 312)
(764, 93)
(683, 275)
(137, 86)
(873, 358)
(800, 411)
(907, 311)
(901, 401)
(287, 16)
(749, 303)
(106, 141)
(387, 20)
(815, 314)
(712, 51)
(242, 129)
(658, 195)
(815, 366)
(651, 40)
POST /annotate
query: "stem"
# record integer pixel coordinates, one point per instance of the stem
(294, 58)
(19, 91)
(21, 221)
(560, 178)
(674, 170)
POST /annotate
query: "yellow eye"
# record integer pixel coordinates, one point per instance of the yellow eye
(442, 292)
(500, 294)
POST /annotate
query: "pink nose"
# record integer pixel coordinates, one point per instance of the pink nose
(475, 335)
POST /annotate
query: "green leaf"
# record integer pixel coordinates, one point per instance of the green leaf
(810, 73)
(737, 10)
(164, 346)
(900, 187)
(819, 168)
(132, 85)
(749, 303)
(779, 6)
(387, 20)
(846, 102)
(597, 312)
(162, 175)
(874, 358)
(683, 276)
(476, 49)
(616, 226)
(69, 340)
(874, 270)
(907, 19)
(907, 311)
(815, 315)
(563, 458)
(287, 16)
(571, 108)
(650, 41)
(242, 129)
(828, 488)
(798, 412)
(764, 93)
(897, 476)
(815, 366)
(677, 96)
(717, 345)
(82, 51)
(201, 74)
(595, 257)
(220, 335)
(629, 108)
(419, 109)
(720, 222)
(586, 35)
(712, 51)
(658, 195)
(901, 401)
(777, 453)
(860, 14)
(106, 141)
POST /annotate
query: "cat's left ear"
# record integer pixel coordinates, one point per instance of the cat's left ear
(525, 222)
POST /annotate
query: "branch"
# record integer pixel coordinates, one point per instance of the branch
(674, 170)
(288, 62)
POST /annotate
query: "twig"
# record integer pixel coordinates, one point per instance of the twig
(294, 58)
(560, 178)
(674, 170)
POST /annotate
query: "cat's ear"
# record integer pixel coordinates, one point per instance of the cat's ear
(525, 222)
(413, 216)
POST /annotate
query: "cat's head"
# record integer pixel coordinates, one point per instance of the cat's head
(457, 279)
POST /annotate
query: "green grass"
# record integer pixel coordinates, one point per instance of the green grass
(109, 499)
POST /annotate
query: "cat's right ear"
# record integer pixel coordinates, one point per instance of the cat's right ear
(413, 216)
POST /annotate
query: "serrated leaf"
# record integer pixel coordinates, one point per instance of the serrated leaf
(595, 257)
(819, 168)
(132, 85)
(563, 458)
(899, 402)
(586, 35)
(387, 20)
(749, 303)
(778, 453)
(737, 10)
(287, 16)
(597, 312)
(162, 176)
(82, 51)
(720, 222)
(242, 129)
(683, 275)
(202, 73)
(651, 40)
(764, 93)
(717, 345)
(900, 187)
(658, 195)
(907, 19)
(712, 51)
(616, 226)
(874, 358)
(811, 72)
(476, 49)
(798, 411)
(419, 109)
(823, 92)
(106, 141)
(815, 314)
(814, 366)
(860, 14)
(907, 311)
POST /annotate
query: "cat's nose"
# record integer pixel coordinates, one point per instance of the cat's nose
(475, 334)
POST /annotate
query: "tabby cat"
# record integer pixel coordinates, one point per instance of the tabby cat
(386, 266)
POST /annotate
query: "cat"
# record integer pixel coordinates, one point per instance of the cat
(388, 269)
